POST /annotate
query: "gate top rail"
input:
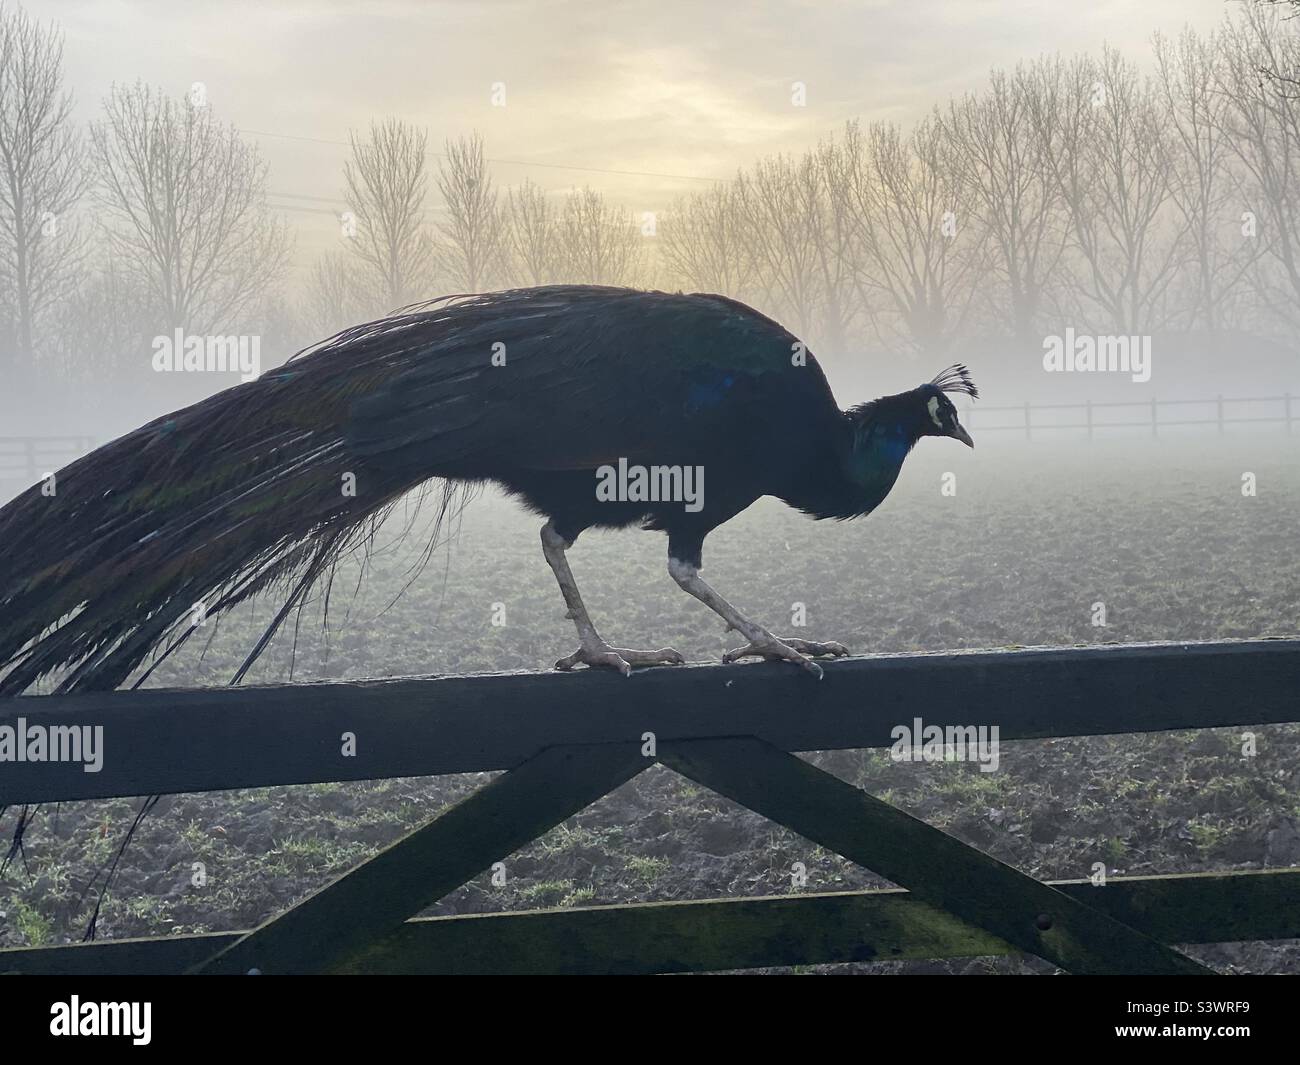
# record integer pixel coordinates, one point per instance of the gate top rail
(164, 741)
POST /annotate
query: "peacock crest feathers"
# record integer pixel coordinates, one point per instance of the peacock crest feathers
(956, 378)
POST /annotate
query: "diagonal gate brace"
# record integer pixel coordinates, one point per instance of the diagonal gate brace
(934, 866)
(345, 916)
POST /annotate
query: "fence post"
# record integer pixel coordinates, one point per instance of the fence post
(1028, 435)
(1154, 431)
(1220, 403)
(1088, 408)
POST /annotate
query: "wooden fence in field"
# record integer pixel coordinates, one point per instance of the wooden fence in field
(24, 460)
(1137, 414)
(565, 740)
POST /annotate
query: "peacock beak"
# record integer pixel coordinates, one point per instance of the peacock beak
(959, 433)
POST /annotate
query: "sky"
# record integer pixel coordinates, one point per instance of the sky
(640, 100)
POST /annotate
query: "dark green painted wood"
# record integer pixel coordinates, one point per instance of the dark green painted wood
(1201, 907)
(380, 894)
(712, 935)
(162, 742)
(934, 866)
(717, 934)
(153, 956)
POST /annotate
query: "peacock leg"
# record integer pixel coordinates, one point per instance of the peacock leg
(592, 649)
(761, 642)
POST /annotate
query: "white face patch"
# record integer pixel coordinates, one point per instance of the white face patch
(933, 408)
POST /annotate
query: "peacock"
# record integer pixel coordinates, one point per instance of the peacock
(596, 407)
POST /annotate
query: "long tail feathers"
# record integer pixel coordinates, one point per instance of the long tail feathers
(199, 510)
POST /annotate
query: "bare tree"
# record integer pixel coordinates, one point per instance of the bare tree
(1285, 79)
(781, 211)
(41, 176)
(1203, 184)
(1103, 130)
(333, 296)
(103, 324)
(185, 210)
(599, 244)
(471, 249)
(1004, 174)
(1264, 130)
(385, 187)
(835, 237)
(530, 236)
(919, 254)
(703, 243)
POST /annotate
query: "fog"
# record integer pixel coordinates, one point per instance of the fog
(1087, 213)
(901, 187)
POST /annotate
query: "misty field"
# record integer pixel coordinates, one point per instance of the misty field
(1159, 532)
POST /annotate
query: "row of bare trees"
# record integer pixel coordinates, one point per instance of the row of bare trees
(42, 175)
(1067, 190)
(153, 218)
(1077, 190)
(396, 248)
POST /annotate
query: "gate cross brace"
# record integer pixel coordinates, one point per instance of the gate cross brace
(932, 865)
(417, 870)
(340, 920)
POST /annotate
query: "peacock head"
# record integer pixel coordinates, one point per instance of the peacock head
(939, 417)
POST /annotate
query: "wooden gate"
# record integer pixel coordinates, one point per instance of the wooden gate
(567, 740)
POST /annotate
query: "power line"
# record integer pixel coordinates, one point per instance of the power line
(502, 162)
(337, 217)
(303, 210)
(337, 202)
(335, 214)
(302, 196)
(330, 199)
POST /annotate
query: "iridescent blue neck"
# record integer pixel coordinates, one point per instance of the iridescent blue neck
(883, 434)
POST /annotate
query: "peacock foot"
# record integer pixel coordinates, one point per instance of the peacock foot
(597, 653)
(789, 649)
